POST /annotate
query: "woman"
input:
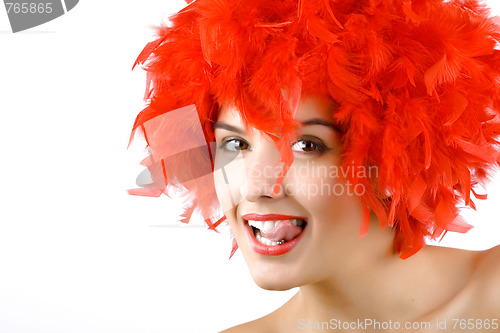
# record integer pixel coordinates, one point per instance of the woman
(345, 133)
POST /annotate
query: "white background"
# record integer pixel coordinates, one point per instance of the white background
(77, 254)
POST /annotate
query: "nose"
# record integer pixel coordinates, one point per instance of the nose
(262, 171)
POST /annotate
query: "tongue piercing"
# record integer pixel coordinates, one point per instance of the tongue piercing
(281, 242)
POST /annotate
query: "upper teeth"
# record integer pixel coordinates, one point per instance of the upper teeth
(268, 225)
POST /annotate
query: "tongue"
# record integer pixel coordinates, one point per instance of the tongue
(285, 230)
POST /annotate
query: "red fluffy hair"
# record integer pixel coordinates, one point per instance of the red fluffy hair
(416, 83)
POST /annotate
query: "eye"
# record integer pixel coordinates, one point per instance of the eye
(234, 144)
(309, 145)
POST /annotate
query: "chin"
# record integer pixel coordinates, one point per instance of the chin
(269, 284)
(275, 279)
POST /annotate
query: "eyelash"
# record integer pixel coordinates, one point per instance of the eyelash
(225, 142)
(321, 147)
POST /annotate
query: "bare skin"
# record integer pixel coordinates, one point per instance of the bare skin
(342, 277)
(466, 287)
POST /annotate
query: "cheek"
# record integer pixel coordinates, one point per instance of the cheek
(228, 180)
(313, 182)
(330, 201)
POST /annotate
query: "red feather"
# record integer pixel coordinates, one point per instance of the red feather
(416, 86)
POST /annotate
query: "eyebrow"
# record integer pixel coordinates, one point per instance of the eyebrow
(310, 122)
(228, 127)
(317, 121)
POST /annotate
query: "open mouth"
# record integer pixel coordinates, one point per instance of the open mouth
(278, 232)
(274, 234)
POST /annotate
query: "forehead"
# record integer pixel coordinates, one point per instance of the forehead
(309, 108)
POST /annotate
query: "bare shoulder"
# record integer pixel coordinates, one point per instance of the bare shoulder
(274, 322)
(258, 325)
(271, 323)
(487, 278)
(489, 265)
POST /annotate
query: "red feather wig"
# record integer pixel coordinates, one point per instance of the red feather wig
(416, 84)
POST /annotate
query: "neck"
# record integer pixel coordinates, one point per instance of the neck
(384, 287)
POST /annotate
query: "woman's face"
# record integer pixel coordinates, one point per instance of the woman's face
(312, 223)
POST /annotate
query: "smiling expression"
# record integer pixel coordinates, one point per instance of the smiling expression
(303, 233)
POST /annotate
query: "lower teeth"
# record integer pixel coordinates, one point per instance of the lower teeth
(266, 241)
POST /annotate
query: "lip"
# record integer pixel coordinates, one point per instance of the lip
(270, 217)
(275, 250)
